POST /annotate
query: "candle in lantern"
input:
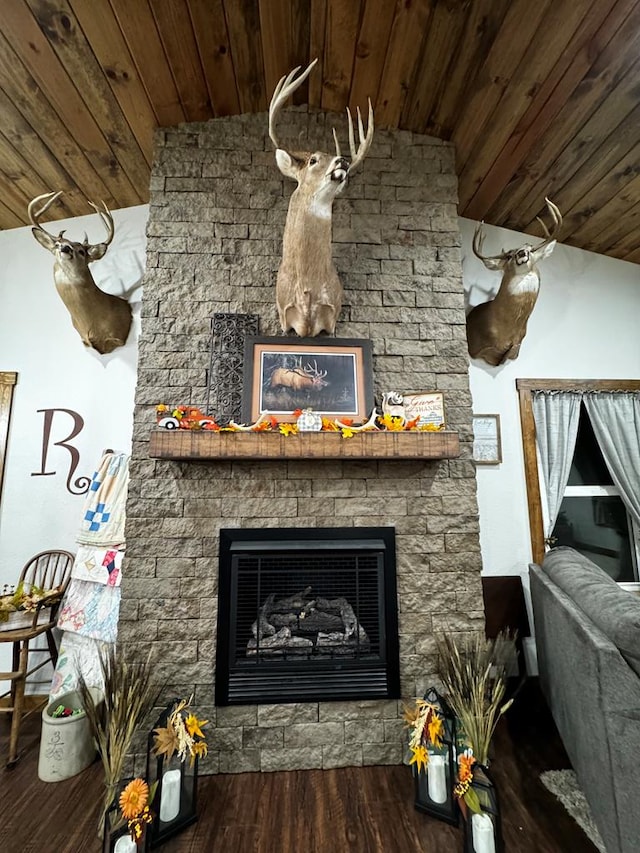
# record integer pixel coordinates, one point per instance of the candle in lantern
(124, 844)
(170, 797)
(436, 779)
(482, 833)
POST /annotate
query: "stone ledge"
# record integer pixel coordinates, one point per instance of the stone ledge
(201, 445)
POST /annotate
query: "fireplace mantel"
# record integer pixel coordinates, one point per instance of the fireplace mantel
(200, 446)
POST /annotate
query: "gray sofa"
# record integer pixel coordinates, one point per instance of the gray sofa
(587, 633)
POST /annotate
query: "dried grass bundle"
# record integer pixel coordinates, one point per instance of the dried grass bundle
(473, 670)
(128, 697)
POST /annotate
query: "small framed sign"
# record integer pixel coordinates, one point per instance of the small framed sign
(428, 406)
(487, 447)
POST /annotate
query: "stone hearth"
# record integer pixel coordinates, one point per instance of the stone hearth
(218, 205)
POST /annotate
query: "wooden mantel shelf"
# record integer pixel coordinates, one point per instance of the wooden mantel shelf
(200, 446)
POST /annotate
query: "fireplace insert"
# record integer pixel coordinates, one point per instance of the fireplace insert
(307, 615)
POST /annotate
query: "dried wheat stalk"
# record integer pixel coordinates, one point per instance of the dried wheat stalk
(128, 698)
(473, 670)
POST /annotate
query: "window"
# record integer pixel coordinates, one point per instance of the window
(592, 517)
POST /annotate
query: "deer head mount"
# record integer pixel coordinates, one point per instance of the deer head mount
(496, 329)
(101, 319)
(308, 290)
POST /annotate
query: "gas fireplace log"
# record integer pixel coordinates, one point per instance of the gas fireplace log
(279, 643)
(299, 601)
(262, 627)
(318, 621)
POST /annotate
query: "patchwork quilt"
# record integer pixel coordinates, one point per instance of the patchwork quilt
(91, 609)
(100, 565)
(77, 654)
(103, 514)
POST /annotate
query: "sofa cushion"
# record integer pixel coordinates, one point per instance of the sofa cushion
(615, 611)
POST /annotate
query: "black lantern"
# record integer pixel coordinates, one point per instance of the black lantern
(174, 801)
(483, 831)
(434, 785)
(117, 836)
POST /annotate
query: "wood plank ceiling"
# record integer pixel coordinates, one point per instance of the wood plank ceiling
(540, 99)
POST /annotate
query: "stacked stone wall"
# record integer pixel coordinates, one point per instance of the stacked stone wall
(217, 212)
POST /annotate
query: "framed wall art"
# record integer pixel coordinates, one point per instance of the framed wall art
(487, 446)
(332, 377)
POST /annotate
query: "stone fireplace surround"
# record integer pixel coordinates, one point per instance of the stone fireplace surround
(217, 211)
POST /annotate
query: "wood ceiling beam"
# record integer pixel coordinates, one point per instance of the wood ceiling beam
(176, 33)
(140, 32)
(342, 26)
(86, 83)
(101, 28)
(535, 179)
(210, 27)
(370, 52)
(243, 22)
(543, 66)
(408, 31)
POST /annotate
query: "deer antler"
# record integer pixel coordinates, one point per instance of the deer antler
(34, 215)
(557, 222)
(478, 240)
(51, 198)
(478, 236)
(364, 142)
(286, 87)
(107, 220)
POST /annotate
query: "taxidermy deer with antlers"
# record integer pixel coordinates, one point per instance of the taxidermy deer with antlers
(496, 329)
(308, 290)
(101, 319)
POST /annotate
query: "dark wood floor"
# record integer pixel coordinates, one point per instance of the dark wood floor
(355, 810)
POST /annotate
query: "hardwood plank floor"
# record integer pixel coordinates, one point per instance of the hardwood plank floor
(352, 810)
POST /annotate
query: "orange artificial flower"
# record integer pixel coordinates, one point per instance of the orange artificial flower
(329, 425)
(134, 798)
(465, 763)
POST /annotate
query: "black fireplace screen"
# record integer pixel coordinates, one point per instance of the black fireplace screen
(307, 616)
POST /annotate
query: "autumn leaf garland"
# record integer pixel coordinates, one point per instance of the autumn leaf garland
(267, 423)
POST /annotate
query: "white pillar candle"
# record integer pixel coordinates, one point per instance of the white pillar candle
(437, 779)
(482, 830)
(124, 844)
(170, 797)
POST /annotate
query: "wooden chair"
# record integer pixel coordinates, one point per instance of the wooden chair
(48, 570)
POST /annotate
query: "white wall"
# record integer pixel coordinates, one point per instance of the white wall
(55, 370)
(584, 326)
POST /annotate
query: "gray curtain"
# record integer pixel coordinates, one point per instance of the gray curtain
(616, 423)
(556, 414)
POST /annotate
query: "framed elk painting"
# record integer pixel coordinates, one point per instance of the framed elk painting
(282, 375)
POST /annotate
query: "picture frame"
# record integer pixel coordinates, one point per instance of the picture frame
(331, 376)
(487, 444)
(427, 406)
